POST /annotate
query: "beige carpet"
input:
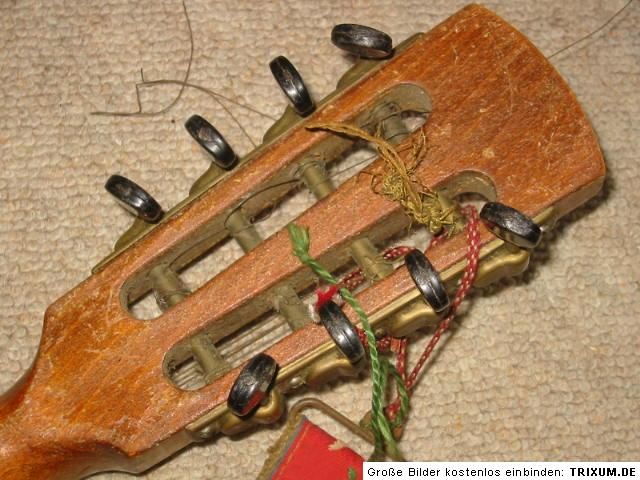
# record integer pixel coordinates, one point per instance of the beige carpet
(544, 369)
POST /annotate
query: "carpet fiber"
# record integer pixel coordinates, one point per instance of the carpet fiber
(543, 368)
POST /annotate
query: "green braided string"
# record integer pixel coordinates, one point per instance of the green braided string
(379, 422)
(403, 394)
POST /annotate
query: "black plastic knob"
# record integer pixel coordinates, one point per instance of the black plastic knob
(362, 41)
(511, 225)
(134, 198)
(212, 141)
(342, 331)
(427, 280)
(292, 85)
(252, 385)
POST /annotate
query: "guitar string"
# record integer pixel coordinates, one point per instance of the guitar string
(140, 112)
(593, 32)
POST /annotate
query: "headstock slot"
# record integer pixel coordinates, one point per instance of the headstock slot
(408, 103)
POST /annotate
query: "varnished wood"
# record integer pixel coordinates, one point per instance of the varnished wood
(96, 397)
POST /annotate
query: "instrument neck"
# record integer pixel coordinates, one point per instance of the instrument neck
(30, 450)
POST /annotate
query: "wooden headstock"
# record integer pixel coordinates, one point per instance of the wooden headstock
(501, 123)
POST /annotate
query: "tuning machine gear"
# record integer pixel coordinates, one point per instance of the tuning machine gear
(342, 331)
(511, 225)
(428, 280)
(212, 141)
(291, 83)
(134, 198)
(362, 41)
(252, 385)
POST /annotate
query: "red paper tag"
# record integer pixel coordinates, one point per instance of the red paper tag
(313, 454)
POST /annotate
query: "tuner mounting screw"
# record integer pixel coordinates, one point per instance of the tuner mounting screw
(342, 331)
(292, 85)
(427, 280)
(511, 225)
(252, 385)
(362, 41)
(212, 141)
(134, 198)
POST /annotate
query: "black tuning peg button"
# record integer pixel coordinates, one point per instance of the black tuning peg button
(212, 141)
(365, 42)
(511, 225)
(427, 280)
(291, 83)
(134, 198)
(341, 331)
(252, 385)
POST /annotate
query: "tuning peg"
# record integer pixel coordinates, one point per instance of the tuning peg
(292, 85)
(427, 280)
(252, 385)
(362, 41)
(342, 331)
(511, 225)
(212, 141)
(134, 198)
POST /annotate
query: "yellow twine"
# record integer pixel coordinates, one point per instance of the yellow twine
(399, 184)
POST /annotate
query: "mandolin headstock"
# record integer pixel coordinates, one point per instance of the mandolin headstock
(489, 116)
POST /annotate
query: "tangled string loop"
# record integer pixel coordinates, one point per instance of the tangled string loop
(400, 185)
